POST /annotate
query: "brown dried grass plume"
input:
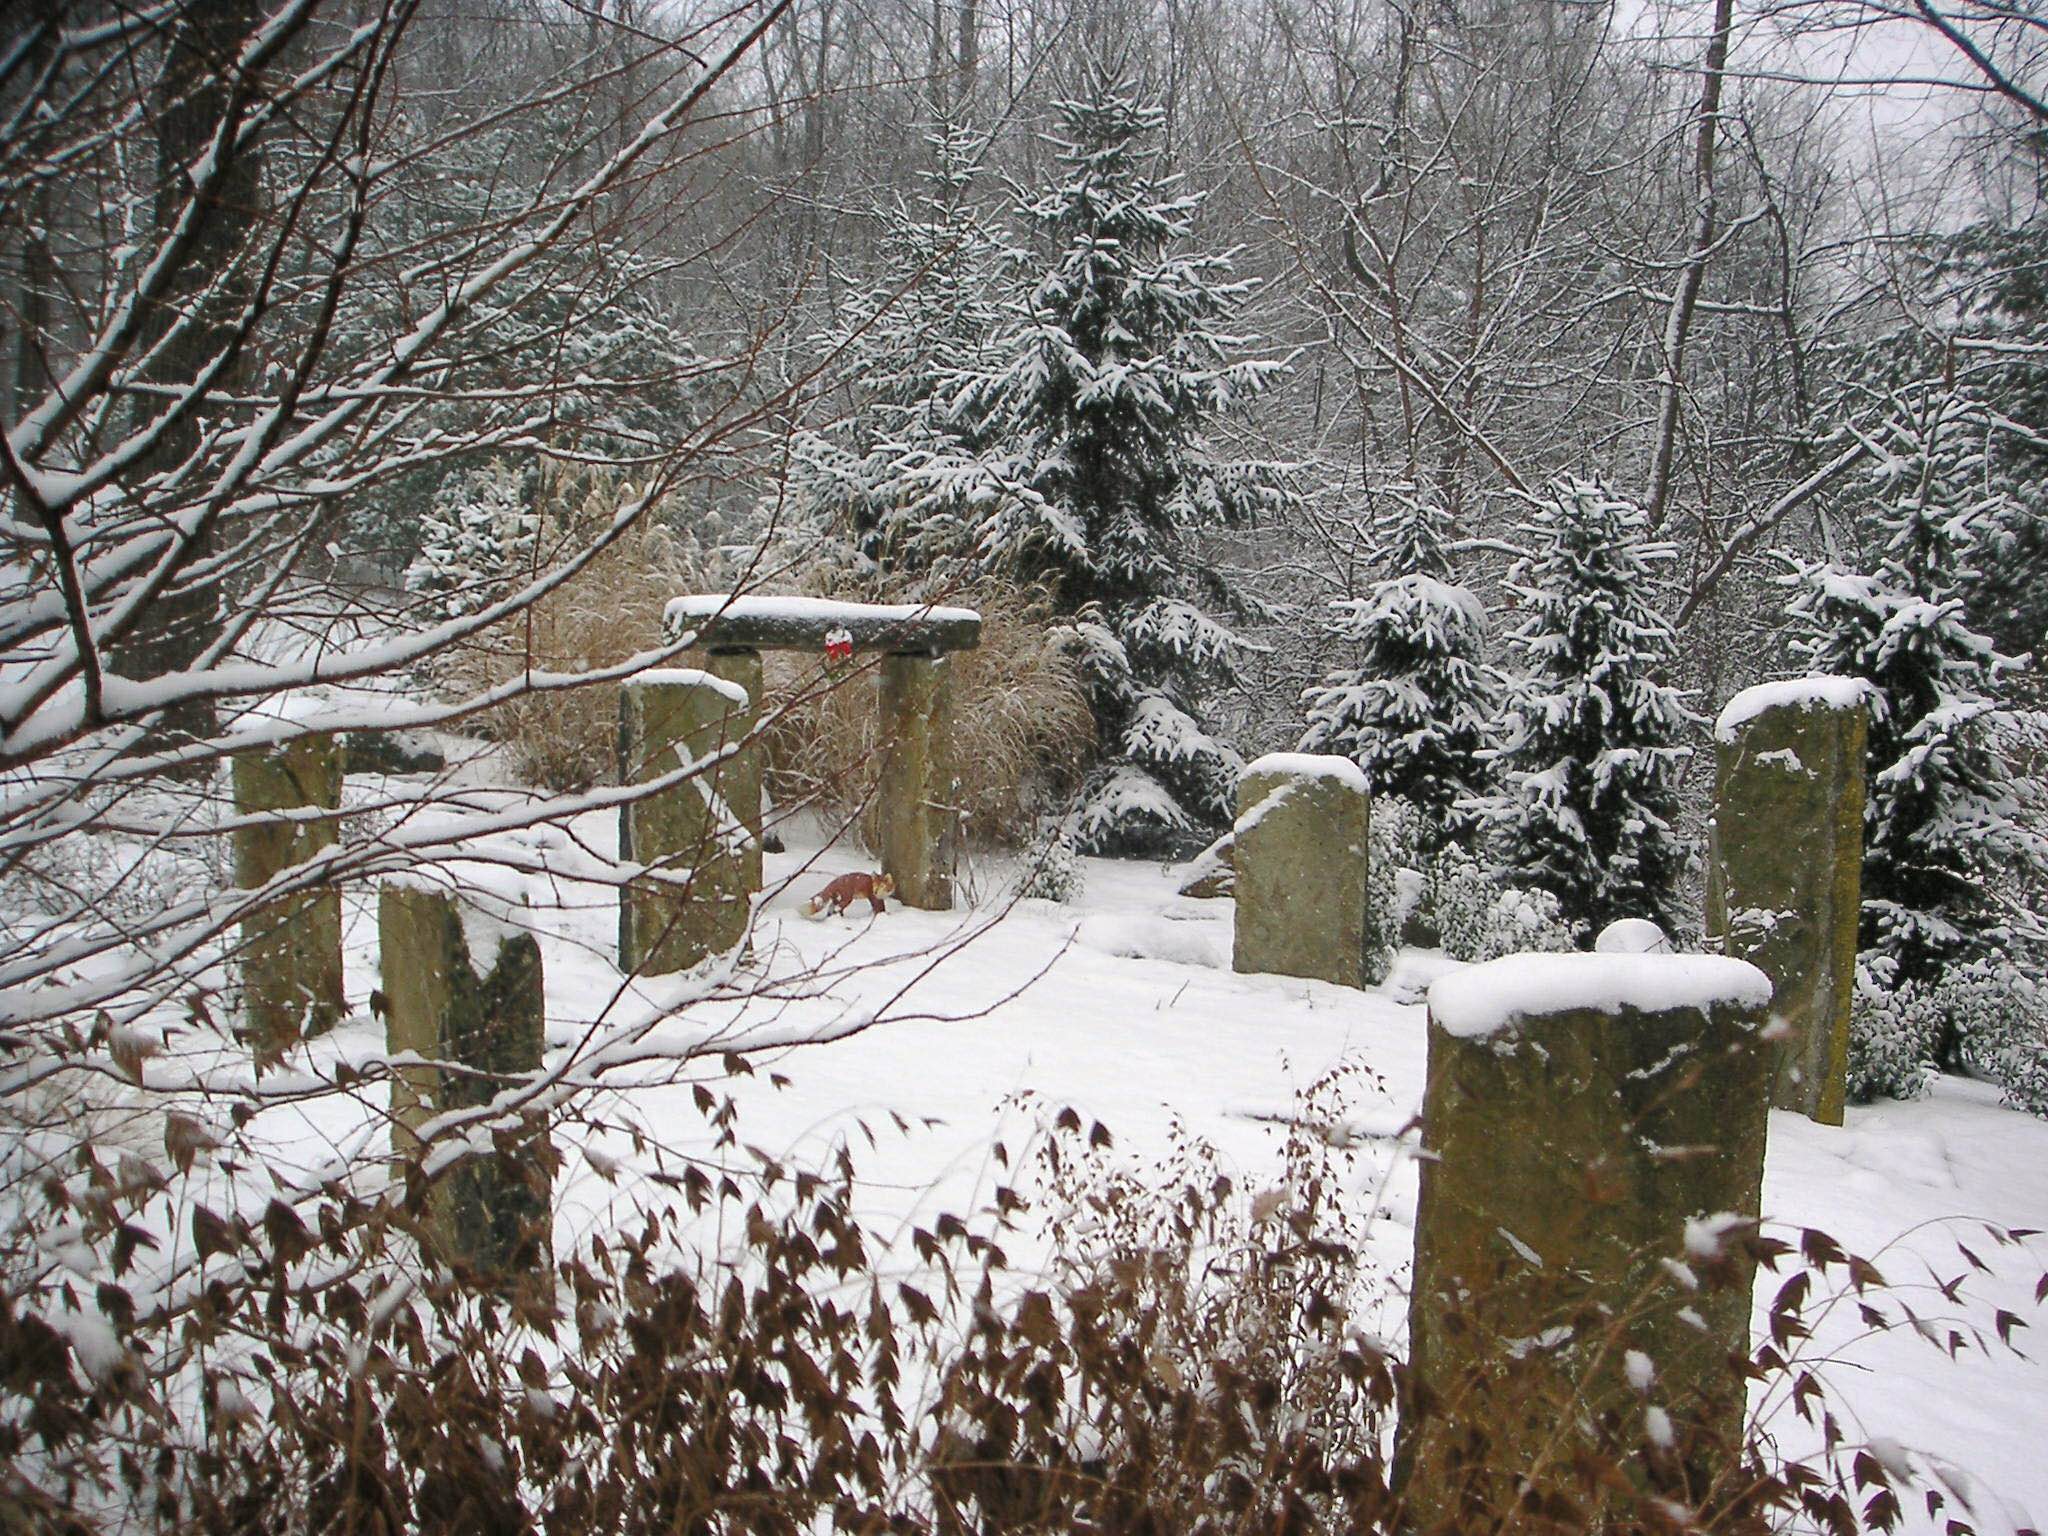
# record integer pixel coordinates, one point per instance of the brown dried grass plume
(567, 739)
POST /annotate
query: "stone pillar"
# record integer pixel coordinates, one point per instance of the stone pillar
(464, 987)
(917, 805)
(1785, 869)
(1586, 1118)
(741, 775)
(1302, 847)
(291, 948)
(694, 902)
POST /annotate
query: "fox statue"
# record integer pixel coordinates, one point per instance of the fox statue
(843, 892)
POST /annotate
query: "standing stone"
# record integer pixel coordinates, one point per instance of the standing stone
(1785, 870)
(291, 947)
(741, 775)
(694, 902)
(463, 987)
(917, 804)
(1586, 1118)
(1302, 848)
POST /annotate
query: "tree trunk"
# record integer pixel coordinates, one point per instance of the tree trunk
(198, 91)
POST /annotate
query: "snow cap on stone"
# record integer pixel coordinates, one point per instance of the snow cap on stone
(1311, 765)
(1794, 693)
(1487, 999)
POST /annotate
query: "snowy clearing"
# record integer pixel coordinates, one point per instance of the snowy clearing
(1122, 1005)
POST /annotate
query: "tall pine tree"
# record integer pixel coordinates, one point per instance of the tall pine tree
(1414, 711)
(906, 475)
(1114, 367)
(1590, 756)
(1940, 811)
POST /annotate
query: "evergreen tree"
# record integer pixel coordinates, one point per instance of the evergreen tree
(1590, 757)
(1989, 281)
(1940, 812)
(478, 533)
(904, 475)
(1414, 711)
(1113, 368)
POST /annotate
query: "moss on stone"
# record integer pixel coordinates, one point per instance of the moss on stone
(1784, 884)
(291, 947)
(1302, 852)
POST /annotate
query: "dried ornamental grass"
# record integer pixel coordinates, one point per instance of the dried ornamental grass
(611, 610)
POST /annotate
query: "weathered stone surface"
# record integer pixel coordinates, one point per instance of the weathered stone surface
(449, 1001)
(703, 861)
(1212, 873)
(291, 948)
(802, 624)
(917, 804)
(1302, 848)
(741, 775)
(1567, 1150)
(1784, 881)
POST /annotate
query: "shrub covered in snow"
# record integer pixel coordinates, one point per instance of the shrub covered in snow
(1941, 811)
(1053, 872)
(481, 530)
(1414, 708)
(1893, 1034)
(1996, 1015)
(1479, 916)
(1999, 1017)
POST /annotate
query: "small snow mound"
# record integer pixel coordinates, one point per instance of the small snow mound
(1312, 765)
(1794, 693)
(1632, 936)
(1486, 999)
(1147, 938)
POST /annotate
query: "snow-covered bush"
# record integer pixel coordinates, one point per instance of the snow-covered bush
(1941, 812)
(1413, 709)
(481, 531)
(1480, 916)
(1053, 871)
(1998, 1016)
(1393, 880)
(1894, 1034)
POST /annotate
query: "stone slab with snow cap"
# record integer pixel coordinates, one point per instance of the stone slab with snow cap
(1819, 692)
(1785, 868)
(1581, 1111)
(1300, 848)
(724, 622)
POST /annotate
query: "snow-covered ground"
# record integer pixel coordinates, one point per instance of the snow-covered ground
(980, 1024)
(1123, 1005)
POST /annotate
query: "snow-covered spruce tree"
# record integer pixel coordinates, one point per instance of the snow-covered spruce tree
(1415, 709)
(1113, 369)
(1940, 813)
(1590, 757)
(905, 475)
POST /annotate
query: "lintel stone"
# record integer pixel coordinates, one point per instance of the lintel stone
(754, 623)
